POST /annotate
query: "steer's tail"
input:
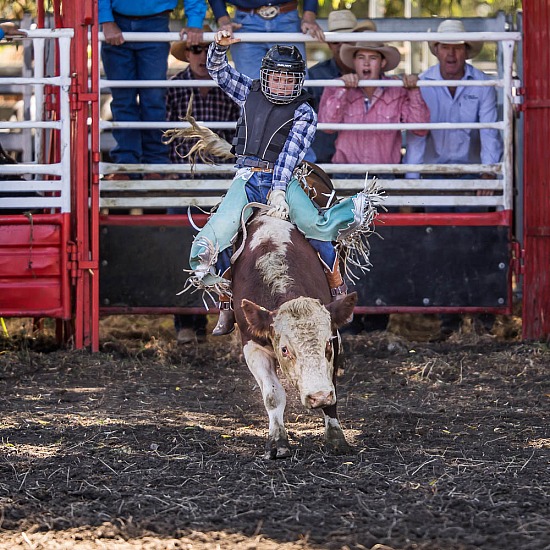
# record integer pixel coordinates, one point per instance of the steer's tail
(209, 147)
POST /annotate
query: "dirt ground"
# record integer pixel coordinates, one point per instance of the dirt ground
(154, 446)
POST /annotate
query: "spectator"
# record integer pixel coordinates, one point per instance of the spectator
(253, 16)
(276, 127)
(208, 104)
(338, 21)
(461, 146)
(370, 104)
(10, 30)
(141, 61)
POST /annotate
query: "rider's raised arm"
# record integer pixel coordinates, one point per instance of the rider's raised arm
(236, 85)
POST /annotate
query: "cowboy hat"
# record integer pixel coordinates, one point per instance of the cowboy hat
(389, 53)
(366, 25)
(179, 49)
(455, 25)
(341, 21)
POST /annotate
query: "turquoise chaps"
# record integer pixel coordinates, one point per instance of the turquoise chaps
(222, 228)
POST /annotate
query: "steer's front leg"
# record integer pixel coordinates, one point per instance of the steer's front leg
(334, 435)
(262, 365)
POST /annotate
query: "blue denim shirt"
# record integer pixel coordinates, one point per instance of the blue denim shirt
(195, 10)
(469, 104)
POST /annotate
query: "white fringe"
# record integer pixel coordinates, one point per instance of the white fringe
(353, 247)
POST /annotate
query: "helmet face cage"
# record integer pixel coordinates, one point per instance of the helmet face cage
(281, 86)
(282, 74)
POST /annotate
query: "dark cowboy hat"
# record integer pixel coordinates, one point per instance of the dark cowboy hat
(179, 49)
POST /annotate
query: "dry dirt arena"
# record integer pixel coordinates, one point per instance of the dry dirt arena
(153, 446)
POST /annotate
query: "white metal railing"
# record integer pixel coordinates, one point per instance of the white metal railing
(409, 192)
(54, 194)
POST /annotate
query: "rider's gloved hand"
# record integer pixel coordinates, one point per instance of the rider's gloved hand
(279, 206)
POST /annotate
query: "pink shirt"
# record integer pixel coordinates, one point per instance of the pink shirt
(348, 105)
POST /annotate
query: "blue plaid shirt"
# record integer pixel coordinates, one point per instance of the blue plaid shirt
(237, 86)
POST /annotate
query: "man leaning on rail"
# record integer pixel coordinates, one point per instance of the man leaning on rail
(259, 16)
(457, 146)
(141, 61)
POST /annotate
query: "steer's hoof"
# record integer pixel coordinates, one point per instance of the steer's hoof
(339, 448)
(336, 443)
(274, 451)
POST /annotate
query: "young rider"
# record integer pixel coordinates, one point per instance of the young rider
(274, 132)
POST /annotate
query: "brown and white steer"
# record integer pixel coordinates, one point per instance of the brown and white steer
(284, 312)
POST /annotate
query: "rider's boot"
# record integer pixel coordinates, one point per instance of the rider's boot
(226, 320)
(338, 288)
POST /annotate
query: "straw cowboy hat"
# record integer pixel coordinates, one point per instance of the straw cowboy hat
(341, 21)
(179, 49)
(389, 53)
(366, 25)
(455, 25)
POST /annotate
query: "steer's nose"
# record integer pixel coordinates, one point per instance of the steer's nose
(320, 399)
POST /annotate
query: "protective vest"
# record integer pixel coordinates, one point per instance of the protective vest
(263, 127)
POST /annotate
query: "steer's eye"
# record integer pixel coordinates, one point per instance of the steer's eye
(285, 352)
(328, 349)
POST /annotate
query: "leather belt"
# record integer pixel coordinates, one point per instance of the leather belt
(271, 11)
(260, 165)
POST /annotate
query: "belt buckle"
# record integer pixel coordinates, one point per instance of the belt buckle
(268, 12)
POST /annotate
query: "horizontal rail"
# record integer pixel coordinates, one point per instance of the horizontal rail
(203, 185)
(332, 83)
(31, 124)
(31, 203)
(25, 186)
(24, 81)
(46, 33)
(495, 201)
(21, 169)
(112, 168)
(322, 126)
(488, 36)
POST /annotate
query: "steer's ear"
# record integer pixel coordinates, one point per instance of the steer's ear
(341, 311)
(258, 318)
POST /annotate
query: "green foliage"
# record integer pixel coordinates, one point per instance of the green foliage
(14, 9)
(426, 8)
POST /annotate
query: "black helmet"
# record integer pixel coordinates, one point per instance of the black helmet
(285, 61)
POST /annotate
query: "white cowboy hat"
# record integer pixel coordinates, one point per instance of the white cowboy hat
(341, 21)
(389, 53)
(455, 25)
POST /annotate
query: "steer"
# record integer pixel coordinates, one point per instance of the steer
(285, 315)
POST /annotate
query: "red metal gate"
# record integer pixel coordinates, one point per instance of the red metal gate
(536, 296)
(48, 255)
(65, 245)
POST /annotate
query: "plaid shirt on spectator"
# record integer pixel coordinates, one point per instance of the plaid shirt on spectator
(215, 106)
(237, 86)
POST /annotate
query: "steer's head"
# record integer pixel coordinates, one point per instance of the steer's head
(301, 332)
